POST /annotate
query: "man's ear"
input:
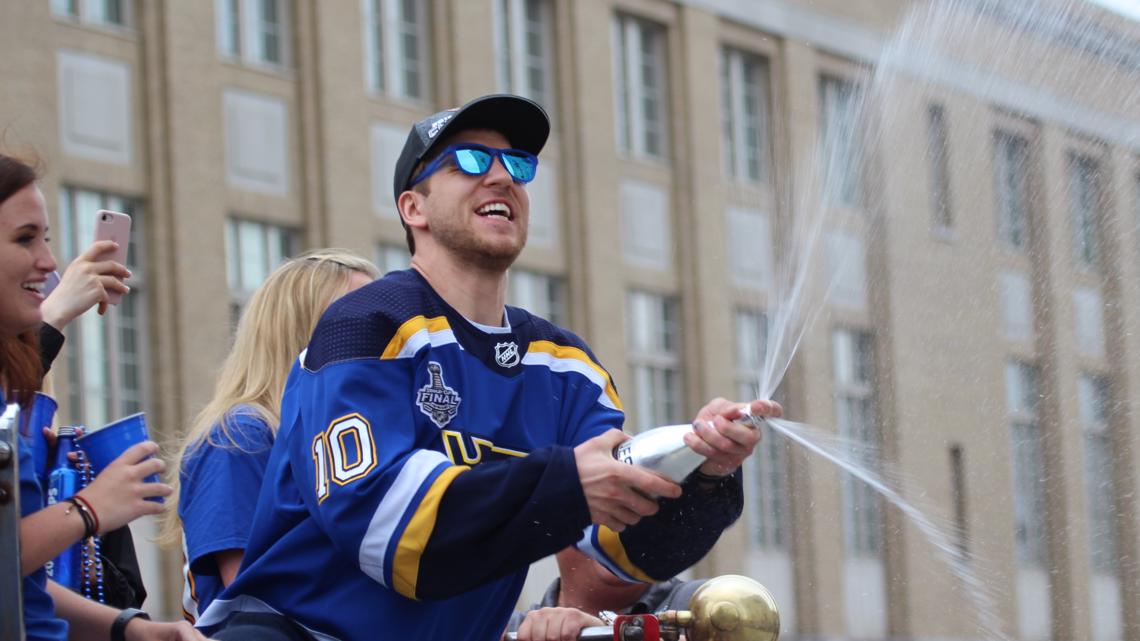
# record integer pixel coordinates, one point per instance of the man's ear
(411, 204)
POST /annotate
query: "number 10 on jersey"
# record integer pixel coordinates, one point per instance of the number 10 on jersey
(343, 453)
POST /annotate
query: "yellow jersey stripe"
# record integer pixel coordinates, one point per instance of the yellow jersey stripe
(610, 543)
(410, 329)
(576, 356)
(406, 564)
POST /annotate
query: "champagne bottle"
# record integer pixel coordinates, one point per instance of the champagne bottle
(663, 449)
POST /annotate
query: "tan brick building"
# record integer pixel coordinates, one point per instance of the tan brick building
(983, 328)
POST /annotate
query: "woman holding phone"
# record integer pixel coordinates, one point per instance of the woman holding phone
(116, 497)
(221, 461)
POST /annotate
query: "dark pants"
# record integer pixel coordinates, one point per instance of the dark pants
(260, 626)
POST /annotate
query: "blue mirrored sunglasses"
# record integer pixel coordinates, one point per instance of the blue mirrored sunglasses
(475, 160)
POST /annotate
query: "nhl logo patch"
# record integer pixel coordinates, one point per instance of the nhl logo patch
(438, 401)
(507, 354)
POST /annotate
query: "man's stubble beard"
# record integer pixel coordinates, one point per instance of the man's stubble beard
(471, 250)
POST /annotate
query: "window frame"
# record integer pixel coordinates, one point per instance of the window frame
(82, 11)
(843, 177)
(629, 36)
(736, 121)
(391, 257)
(1012, 156)
(769, 509)
(108, 353)
(938, 152)
(655, 361)
(514, 28)
(856, 410)
(1094, 399)
(550, 289)
(386, 63)
(288, 244)
(240, 31)
(1027, 451)
(1086, 211)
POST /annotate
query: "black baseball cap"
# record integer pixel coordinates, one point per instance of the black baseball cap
(521, 120)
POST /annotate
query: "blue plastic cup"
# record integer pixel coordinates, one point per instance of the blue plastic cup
(40, 416)
(104, 445)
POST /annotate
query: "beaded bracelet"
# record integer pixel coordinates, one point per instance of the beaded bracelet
(90, 521)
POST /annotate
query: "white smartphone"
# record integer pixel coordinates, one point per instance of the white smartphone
(116, 226)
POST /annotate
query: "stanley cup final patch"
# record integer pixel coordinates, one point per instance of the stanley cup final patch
(507, 354)
(438, 401)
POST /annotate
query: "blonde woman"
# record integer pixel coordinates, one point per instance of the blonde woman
(218, 470)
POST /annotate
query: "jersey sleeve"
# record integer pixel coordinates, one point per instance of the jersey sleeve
(681, 533)
(415, 522)
(216, 502)
(684, 529)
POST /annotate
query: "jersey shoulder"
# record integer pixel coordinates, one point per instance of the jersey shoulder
(367, 322)
(542, 334)
(564, 353)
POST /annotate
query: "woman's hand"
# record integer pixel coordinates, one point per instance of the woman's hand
(84, 283)
(118, 495)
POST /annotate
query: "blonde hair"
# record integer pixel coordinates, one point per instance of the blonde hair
(274, 328)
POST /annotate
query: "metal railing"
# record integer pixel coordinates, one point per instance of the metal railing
(11, 582)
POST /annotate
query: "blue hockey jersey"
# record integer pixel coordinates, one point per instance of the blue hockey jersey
(422, 463)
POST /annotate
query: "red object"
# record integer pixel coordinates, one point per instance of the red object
(637, 627)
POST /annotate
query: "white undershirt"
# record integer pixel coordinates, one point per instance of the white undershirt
(493, 329)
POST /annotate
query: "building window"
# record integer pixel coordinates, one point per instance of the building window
(751, 345)
(842, 160)
(1083, 197)
(855, 412)
(846, 257)
(252, 30)
(106, 357)
(939, 154)
(253, 250)
(390, 257)
(639, 78)
(1028, 461)
(1016, 306)
(1136, 201)
(1011, 165)
(524, 48)
(539, 294)
(958, 494)
(655, 358)
(1093, 399)
(396, 48)
(1088, 312)
(745, 116)
(103, 12)
(769, 523)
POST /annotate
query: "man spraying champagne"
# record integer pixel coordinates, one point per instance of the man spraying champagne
(435, 441)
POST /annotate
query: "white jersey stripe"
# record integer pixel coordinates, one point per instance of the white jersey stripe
(189, 603)
(555, 364)
(423, 338)
(220, 609)
(397, 501)
(586, 546)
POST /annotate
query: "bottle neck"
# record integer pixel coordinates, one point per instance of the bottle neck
(64, 445)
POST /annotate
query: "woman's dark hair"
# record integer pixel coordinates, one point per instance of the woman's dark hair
(21, 370)
(15, 174)
(21, 367)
